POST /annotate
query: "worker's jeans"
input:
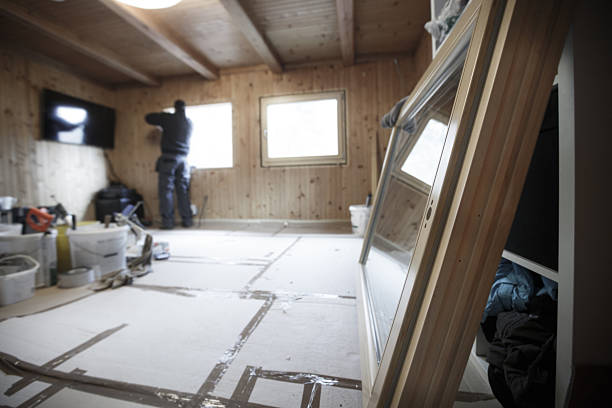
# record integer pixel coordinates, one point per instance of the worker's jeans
(173, 173)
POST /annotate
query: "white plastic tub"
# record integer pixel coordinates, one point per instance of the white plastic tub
(39, 246)
(99, 248)
(17, 282)
(13, 243)
(360, 214)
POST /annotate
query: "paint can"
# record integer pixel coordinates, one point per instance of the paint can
(360, 214)
(102, 249)
(76, 277)
(48, 263)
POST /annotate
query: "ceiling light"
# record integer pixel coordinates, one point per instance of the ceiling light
(150, 4)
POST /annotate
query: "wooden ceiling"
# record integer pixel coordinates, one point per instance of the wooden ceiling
(116, 44)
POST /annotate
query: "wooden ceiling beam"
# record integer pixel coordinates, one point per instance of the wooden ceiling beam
(58, 33)
(252, 34)
(163, 37)
(346, 30)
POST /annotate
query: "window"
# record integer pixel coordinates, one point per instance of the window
(211, 144)
(303, 129)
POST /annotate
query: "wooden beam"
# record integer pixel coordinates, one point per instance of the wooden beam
(163, 37)
(346, 30)
(60, 34)
(252, 34)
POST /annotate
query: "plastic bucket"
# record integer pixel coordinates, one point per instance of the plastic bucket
(102, 249)
(17, 279)
(360, 214)
(13, 243)
(39, 246)
(49, 261)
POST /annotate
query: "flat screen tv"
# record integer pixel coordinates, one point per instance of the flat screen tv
(67, 119)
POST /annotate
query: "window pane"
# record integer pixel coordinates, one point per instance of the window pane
(420, 163)
(211, 140)
(303, 129)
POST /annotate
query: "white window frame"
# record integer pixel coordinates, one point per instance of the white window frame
(339, 159)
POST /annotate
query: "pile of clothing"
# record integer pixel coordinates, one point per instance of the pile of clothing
(520, 323)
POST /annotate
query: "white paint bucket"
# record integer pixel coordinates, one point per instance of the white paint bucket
(48, 265)
(360, 214)
(99, 248)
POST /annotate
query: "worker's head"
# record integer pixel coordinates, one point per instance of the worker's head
(179, 106)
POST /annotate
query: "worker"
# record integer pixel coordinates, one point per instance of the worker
(171, 166)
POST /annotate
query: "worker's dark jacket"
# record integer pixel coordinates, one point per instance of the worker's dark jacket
(172, 165)
(176, 131)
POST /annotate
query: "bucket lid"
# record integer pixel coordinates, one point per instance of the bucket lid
(10, 229)
(14, 236)
(95, 229)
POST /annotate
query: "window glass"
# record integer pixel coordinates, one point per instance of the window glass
(211, 145)
(419, 163)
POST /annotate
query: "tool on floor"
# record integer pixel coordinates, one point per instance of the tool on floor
(161, 250)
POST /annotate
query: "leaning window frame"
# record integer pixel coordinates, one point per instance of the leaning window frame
(339, 159)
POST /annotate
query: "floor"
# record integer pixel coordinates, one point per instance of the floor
(241, 315)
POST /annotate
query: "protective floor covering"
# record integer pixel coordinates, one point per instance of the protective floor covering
(314, 265)
(231, 320)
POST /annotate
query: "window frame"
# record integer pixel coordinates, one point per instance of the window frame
(336, 160)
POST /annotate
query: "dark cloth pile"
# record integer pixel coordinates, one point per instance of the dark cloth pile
(520, 324)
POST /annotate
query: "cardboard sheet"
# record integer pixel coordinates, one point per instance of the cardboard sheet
(305, 337)
(18, 398)
(229, 318)
(277, 394)
(71, 398)
(170, 341)
(200, 276)
(315, 265)
(334, 397)
(225, 247)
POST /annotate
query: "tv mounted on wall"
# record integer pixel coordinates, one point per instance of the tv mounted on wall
(67, 119)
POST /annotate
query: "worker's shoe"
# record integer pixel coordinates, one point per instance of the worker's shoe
(187, 224)
(166, 227)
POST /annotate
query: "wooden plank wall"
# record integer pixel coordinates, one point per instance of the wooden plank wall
(32, 169)
(422, 55)
(249, 191)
